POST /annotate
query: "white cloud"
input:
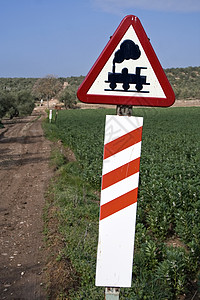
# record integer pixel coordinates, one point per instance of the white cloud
(159, 5)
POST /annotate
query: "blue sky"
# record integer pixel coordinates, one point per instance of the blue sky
(65, 37)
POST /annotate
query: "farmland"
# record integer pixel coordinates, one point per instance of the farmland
(167, 242)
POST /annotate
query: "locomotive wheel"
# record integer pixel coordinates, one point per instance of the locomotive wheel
(113, 85)
(126, 86)
(139, 87)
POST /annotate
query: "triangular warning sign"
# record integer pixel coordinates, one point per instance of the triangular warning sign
(128, 71)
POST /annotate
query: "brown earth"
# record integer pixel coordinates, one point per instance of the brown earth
(177, 103)
(24, 177)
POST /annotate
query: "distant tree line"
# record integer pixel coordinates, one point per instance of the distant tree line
(185, 82)
(18, 95)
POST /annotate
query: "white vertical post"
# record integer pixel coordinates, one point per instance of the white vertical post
(50, 115)
(120, 176)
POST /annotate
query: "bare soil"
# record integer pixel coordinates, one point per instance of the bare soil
(177, 103)
(24, 176)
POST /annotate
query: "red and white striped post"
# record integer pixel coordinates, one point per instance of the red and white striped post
(120, 177)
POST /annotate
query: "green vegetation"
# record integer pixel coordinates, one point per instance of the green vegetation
(16, 97)
(35, 89)
(21, 84)
(17, 84)
(167, 243)
(16, 104)
(68, 96)
(185, 82)
(46, 88)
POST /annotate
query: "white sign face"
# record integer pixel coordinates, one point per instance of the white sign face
(151, 86)
(120, 176)
(127, 72)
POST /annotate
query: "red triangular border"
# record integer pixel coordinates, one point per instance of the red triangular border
(105, 55)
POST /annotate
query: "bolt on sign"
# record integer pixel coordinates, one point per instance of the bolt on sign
(128, 71)
(120, 176)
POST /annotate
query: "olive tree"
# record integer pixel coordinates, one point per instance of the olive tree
(68, 97)
(8, 105)
(47, 88)
(16, 104)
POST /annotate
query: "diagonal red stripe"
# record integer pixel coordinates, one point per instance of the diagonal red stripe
(123, 142)
(118, 203)
(120, 173)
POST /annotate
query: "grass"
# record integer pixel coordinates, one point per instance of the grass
(168, 201)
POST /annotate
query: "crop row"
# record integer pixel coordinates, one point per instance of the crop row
(167, 243)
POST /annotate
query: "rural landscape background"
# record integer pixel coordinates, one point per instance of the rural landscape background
(19, 94)
(167, 244)
(50, 169)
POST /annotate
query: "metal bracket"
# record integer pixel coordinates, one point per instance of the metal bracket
(124, 110)
(112, 293)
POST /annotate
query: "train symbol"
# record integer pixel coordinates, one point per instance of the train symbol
(126, 78)
(128, 50)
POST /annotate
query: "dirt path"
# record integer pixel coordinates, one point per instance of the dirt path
(24, 175)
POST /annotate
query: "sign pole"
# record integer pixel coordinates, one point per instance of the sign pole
(124, 110)
(112, 293)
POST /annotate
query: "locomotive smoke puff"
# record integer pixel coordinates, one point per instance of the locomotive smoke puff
(128, 50)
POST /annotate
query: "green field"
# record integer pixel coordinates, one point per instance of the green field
(167, 242)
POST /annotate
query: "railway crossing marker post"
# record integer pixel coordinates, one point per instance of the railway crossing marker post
(120, 177)
(126, 73)
(113, 293)
(50, 115)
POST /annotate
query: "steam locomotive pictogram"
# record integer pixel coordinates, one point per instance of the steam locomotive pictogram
(128, 50)
(127, 78)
